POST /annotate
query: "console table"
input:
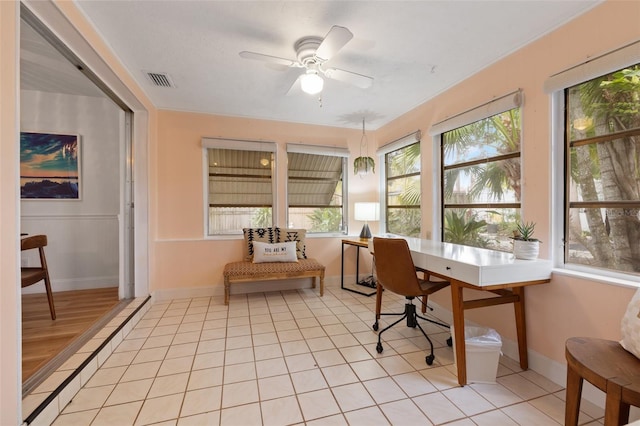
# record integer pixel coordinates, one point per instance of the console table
(480, 269)
(358, 243)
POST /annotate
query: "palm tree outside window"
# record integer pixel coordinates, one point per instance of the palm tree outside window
(602, 172)
(403, 191)
(480, 187)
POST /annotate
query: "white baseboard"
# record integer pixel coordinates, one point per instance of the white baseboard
(546, 367)
(73, 284)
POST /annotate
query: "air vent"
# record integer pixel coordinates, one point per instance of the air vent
(160, 79)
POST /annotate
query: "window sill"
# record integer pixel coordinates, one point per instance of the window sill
(602, 279)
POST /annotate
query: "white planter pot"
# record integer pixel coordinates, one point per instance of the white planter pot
(526, 250)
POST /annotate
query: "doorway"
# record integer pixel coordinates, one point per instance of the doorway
(90, 237)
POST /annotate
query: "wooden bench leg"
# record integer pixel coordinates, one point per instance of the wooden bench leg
(321, 283)
(573, 396)
(227, 286)
(616, 412)
(313, 282)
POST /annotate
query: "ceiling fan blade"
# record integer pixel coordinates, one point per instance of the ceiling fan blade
(268, 58)
(335, 40)
(358, 80)
(295, 88)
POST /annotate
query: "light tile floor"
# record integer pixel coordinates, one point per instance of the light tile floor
(294, 358)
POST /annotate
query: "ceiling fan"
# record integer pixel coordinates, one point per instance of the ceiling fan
(312, 53)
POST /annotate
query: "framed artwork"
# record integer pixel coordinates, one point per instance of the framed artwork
(49, 166)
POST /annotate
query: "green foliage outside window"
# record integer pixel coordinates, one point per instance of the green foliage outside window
(481, 181)
(403, 191)
(463, 227)
(326, 220)
(603, 166)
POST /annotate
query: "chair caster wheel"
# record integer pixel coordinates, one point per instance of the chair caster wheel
(430, 359)
(449, 342)
(379, 348)
(375, 326)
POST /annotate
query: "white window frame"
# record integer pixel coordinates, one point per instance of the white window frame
(555, 86)
(239, 145)
(394, 145)
(328, 151)
(493, 107)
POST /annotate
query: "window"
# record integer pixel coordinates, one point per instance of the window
(402, 171)
(602, 172)
(240, 185)
(315, 188)
(402, 191)
(480, 167)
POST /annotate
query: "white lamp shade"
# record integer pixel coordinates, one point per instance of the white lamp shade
(366, 211)
(311, 83)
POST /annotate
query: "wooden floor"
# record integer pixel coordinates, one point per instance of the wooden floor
(76, 312)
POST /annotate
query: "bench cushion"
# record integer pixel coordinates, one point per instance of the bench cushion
(271, 270)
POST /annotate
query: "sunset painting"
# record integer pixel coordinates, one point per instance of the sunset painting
(49, 166)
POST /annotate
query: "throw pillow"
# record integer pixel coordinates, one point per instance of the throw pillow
(278, 252)
(297, 235)
(631, 326)
(263, 235)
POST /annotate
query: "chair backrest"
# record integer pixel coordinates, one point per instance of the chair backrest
(394, 266)
(35, 241)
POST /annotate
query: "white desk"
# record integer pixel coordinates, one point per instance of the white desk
(480, 269)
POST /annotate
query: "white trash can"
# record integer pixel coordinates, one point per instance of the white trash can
(483, 349)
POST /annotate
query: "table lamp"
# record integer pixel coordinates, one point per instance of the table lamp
(366, 212)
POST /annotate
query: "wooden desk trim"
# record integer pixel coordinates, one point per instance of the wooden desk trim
(360, 242)
(512, 292)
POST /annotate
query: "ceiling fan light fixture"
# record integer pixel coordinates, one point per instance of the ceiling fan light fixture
(311, 82)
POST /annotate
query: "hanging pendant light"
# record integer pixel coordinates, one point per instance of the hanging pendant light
(364, 164)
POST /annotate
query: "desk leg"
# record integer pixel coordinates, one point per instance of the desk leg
(521, 327)
(458, 325)
(357, 264)
(342, 269)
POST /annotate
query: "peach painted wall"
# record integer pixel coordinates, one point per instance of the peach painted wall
(567, 306)
(187, 259)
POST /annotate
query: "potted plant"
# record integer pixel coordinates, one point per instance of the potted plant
(525, 246)
(363, 165)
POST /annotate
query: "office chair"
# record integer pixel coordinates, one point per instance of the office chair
(397, 273)
(33, 275)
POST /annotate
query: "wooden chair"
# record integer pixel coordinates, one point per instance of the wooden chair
(33, 275)
(397, 273)
(609, 367)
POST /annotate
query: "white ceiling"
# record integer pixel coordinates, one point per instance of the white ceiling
(414, 50)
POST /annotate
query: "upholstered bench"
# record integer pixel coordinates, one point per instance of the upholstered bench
(248, 270)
